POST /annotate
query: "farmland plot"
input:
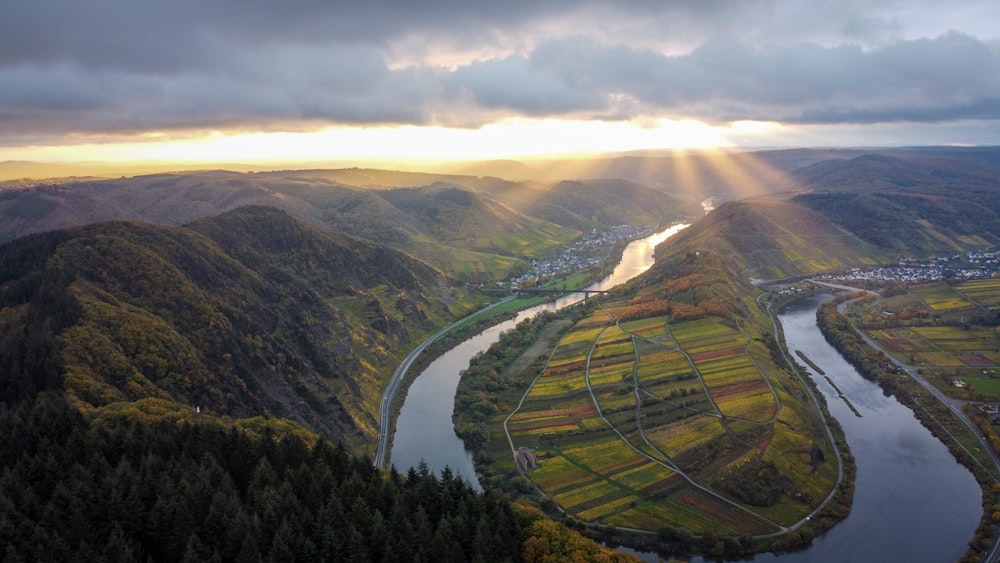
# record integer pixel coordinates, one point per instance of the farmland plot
(661, 364)
(654, 327)
(681, 436)
(691, 388)
(941, 298)
(705, 335)
(986, 293)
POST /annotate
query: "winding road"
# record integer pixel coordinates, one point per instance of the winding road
(385, 406)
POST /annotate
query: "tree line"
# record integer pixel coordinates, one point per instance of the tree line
(128, 490)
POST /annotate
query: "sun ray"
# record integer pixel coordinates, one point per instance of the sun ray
(687, 176)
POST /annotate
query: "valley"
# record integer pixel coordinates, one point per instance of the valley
(471, 282)
(663, 414)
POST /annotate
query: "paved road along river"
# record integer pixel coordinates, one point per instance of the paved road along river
(424, 430)
(913, 501)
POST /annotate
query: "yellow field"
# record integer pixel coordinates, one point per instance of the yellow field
(558, 473)
(684, 435)
(941, 298)
(647, 328)
(757, 405)
(662, 365)
(607, 508)
(938, 359)
(984, 292)
(587, 493)
(939, 332)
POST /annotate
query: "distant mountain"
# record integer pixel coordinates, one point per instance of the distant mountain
(509, 169)
(475, 228)
(917, 204)
(871, 208)
(31, 172)
(734, 174)
(931, 173)
(246, 314)
(591, 204)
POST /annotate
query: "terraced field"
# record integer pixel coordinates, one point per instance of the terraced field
(635, 424)
(941, 298)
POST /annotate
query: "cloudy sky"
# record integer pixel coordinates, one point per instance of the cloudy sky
(329, 79)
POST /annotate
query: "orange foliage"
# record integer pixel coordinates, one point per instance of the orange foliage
(645, 310)
(715, 306)
(682, 284)
(685, 312)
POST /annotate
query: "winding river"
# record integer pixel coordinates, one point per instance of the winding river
(424, 430)
(913, 501)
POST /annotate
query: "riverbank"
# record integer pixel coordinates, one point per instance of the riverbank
(932, 415)
(475, 323)
(490, 392)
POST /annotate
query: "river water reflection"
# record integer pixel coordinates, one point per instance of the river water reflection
(913, 501)
(424, 430)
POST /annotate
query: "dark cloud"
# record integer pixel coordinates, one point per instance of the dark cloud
(132, 65)
(951, 77)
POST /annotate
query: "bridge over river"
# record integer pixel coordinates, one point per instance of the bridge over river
(543, 291)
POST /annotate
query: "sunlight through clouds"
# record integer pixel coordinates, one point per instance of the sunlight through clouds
(508, 138)
(446, 80)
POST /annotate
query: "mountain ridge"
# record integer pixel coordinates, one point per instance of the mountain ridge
(251, 313)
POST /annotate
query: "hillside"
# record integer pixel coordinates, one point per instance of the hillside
(249, 313)
(913, 206)
(771, 238)
(591, 204)
(667, 405)
(475, 228)
(162, 388)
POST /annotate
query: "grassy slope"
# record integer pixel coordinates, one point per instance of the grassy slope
(769, 238)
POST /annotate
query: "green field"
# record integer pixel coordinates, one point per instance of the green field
(988, 386)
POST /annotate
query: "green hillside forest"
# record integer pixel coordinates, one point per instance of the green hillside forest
(208, 392)
(192, 364)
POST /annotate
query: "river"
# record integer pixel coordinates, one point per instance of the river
(912, 502)
(424, 430)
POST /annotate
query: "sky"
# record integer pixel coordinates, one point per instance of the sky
(245, 80)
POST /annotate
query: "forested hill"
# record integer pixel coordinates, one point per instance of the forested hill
(918, 205)
(251, 313)
(131, 490)
(475, 229)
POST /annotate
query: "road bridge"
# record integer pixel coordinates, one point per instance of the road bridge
(543, 291)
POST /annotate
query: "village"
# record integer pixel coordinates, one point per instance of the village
(588, 251)
(962, 266)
